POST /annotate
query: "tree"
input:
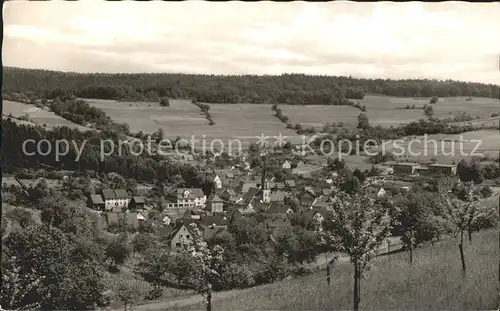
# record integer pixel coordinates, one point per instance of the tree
(434, 100)
(207, 262)
(127, 294)
(429, 111)
(164, 102)
(459, 215)
(363, 122)
(414, 220)
(117, 251)
(43, 269)
(358, 227)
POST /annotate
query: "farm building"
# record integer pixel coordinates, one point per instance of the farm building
(214, 204)
(442, 169)
(405, 168)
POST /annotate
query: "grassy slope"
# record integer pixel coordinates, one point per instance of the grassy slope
(433, 282)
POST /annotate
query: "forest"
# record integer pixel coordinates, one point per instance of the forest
(296, 89)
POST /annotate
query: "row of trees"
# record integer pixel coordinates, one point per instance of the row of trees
(286, 88)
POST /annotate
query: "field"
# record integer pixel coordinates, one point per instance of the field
(182, 118)
(37, 115)
(449, 146)
(385, 110)
(433, 282)
(317, 115)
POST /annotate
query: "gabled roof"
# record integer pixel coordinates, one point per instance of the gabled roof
(276, 208)
(193, 193)
(247, 186)
(96, 199)
(230, 191)
(214, 198)
(211, 232)
(278, 196)
(218, 220)
(121, 194)
(108, 194)
(138, 199)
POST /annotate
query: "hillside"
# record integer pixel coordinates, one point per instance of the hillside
(287, 88)
(432, 283)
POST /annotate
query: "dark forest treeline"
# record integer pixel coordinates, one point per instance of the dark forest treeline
(286, 89)
(146, 167)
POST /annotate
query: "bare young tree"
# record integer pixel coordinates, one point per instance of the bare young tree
(457, 215)
(358, 226)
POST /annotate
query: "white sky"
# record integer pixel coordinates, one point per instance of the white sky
(391, 40)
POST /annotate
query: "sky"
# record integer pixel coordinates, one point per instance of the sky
(448, 40)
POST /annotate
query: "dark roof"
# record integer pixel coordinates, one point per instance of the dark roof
(210, 232)
(138, 199)
(121, 194)
(108, 194)
(218, 220)
(96, 199)
(214, 198)
(230, 191)
(276, 208)
(252, 193)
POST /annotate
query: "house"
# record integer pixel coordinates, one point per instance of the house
(214, 204)
(247, 185)
(279, 196)
(287, 165)
(290, 183)
(186, 198)
(136, 203)
(96, 202)
(442, 169)
(116, 199)
(217, 182)
(179, 238)
(405, 168)
(215, 221)
(381, 192)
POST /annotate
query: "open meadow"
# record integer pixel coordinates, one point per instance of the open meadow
(182, 118)
(433, 282)
(37, 115)
(449, 148)
(388, 110)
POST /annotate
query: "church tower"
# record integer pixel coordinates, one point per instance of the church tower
(266, 192)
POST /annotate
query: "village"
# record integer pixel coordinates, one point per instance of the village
(240, 191)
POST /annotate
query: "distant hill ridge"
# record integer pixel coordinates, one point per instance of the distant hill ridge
(297, 89)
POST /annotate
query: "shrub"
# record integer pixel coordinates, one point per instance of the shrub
(434, 100)
(164, 102)
(235, 276)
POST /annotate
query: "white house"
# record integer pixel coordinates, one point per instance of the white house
(186, 198)
(287, 165)
(117, 199)
(217, 182)
(180, 238)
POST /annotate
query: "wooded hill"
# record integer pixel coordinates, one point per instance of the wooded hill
(297, 89)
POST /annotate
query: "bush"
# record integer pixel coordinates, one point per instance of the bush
(495, 114)
(164, 102)
(235, 276)
(434, 100)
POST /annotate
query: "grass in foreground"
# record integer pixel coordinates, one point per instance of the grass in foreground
(434, 282)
